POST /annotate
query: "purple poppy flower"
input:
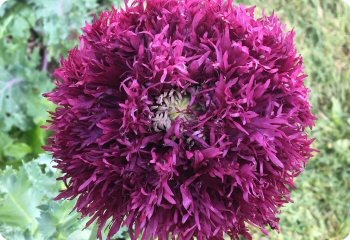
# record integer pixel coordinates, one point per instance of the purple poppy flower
(181, 119)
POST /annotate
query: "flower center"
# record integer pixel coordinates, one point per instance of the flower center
(169, 106)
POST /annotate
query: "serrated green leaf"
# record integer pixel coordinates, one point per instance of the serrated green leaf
(29, 109)
(11, 113)
(57, 221)
(19, 202)
(11, 232)
(26, 201)
(46, 160)
(42, 182)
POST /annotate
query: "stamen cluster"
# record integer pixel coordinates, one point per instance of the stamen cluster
(170, 106)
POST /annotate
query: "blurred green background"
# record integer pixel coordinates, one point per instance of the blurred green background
(35, 34)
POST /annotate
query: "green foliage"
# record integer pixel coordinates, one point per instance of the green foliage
(15, 208)
(26, 207)
(35, 34)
